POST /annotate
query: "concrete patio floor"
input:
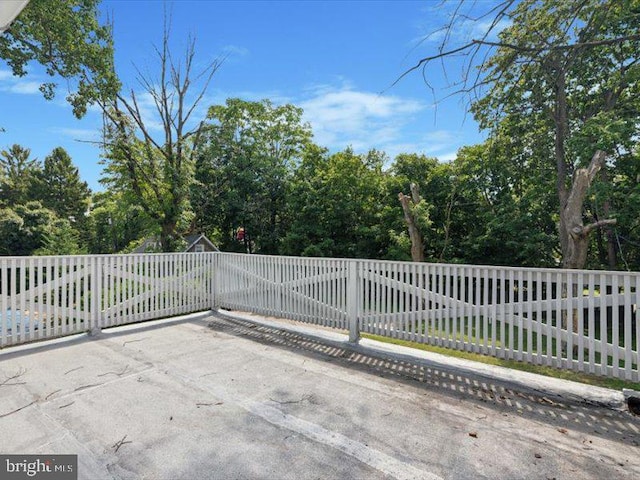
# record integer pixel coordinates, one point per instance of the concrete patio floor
(220, 398)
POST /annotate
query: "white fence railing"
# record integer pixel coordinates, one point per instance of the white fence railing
(578, 320)
(47, 297)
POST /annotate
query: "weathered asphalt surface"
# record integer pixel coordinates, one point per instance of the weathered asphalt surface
(220, 398)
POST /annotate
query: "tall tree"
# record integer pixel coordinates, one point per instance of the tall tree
(66, 37)
(410, 207)
(62, 190)
(156, 171)
(61, 239)
(504, 210)
(434, 211)
(335, 205)
(18, 176)
(244, 167)
(569, 65)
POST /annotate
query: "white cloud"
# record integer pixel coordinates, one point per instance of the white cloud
(25, 87)
(235, 51)
(480, 28)
(434, 28)
(11, 84)
(437, 141)
(448, 156)
(343, 116)
(84, 134)
(148, 111)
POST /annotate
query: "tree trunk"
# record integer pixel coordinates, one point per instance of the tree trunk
(417, 244)
(168, 240)
(575, 235)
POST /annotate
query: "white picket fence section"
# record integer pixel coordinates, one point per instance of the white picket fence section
(47, 297)
(135, 288)
(578, 320)
(305, 289)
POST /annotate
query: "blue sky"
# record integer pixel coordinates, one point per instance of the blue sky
(335, 59)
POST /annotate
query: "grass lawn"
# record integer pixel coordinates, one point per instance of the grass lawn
(612, 383)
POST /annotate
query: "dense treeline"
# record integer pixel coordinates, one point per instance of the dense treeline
(43, 205)
(257, 169)
(556, 182)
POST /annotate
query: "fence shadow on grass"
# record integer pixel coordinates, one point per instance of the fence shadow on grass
(586, 417)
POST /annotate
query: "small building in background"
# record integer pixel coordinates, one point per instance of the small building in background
(197, 242)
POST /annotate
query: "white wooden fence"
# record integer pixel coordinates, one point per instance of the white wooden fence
(46, 297)
(578, 320)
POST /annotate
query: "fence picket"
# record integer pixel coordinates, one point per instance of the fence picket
(604, 342)
(615, 336)
(12, 297)
(591, 324)
(570, 319)
(580, 293)
(627, 344)
(4, 305)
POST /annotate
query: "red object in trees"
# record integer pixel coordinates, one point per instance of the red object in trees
(240, 234)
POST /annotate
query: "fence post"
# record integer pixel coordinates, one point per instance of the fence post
(213, 285)
(95, 326)
(353, 301)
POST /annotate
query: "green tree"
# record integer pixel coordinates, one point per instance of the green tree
(10, 229)
(491, 205)
(61, 239)
(65, 36)
(569, 71)
(61, 188)
(18, 176)
(243, 170)
(114, 223)
(24, 228)
(335, 204)
(153, 171)
(433, 185)
(504, 211)
(626, 195)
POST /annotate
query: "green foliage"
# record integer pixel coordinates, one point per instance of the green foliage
(334, 205)
(434, 184)
(399, 246)
(243, 169)
(61, 197)
(66, 37)
(24, 228)
(61, 239)
(146, 178)
(61, 189)
(18, 176)
(508, 208)
(114, 223)
(10, 228)
(563, 83)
